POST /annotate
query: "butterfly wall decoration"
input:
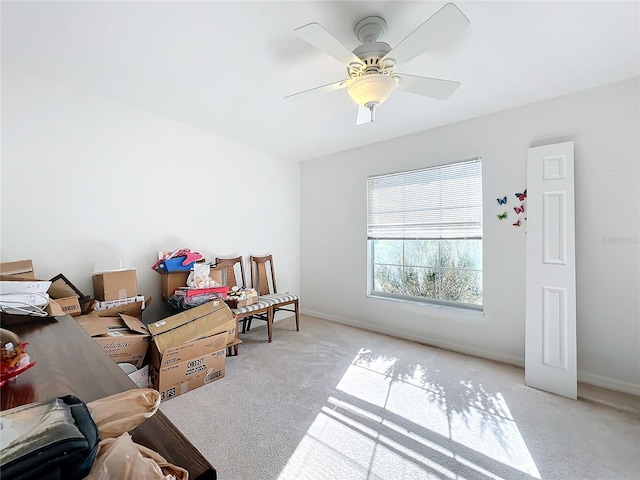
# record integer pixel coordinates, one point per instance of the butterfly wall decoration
(519, 209)
(522, 196)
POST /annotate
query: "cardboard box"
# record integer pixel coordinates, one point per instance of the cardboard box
(124, 338)
(17, 270)
(187, 366)
(233, 302)
(169, 282)
(189, 349)
(69, 305)
(205, 320)
(115, 285)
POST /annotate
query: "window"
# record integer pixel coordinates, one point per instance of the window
(424, 233)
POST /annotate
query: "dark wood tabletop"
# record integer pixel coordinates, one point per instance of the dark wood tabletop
(70, 362)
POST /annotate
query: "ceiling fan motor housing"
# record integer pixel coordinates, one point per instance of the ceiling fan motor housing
(371, 53)
(369, 31)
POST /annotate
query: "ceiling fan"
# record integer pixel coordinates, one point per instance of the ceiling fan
(371, 66)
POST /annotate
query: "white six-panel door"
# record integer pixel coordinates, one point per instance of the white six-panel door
(550, 324)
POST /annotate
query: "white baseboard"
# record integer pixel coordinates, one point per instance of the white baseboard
(597, 380)
(281, 315)
(518, 362)
(609, 383)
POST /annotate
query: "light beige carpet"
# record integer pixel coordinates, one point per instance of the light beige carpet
(333, 402)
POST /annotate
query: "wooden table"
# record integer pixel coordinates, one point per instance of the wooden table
(70, 362)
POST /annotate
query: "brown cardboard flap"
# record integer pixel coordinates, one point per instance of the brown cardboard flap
(53, 309)
(116, 339)
(134, 324)
(96, 325)
(87, 305)
(61, 287)
(193, 324)
(183, 318)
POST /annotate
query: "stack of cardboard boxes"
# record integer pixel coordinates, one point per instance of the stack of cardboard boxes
(185, 351)
(119, 290)
(173, 355)
(116, 321)
(189, 349)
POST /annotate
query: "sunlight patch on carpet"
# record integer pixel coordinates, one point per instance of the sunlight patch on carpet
(393, 419)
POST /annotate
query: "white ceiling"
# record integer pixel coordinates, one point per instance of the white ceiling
(226, 66)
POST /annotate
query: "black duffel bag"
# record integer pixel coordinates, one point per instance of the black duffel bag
(52, 440)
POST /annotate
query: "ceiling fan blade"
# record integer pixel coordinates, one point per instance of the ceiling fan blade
(428, 87)
(319, 37)
(439, 28)
(323, 89)
(363, 116)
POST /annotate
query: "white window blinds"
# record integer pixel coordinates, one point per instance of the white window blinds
(442, 202)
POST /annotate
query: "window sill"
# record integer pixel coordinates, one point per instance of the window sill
(457, 308)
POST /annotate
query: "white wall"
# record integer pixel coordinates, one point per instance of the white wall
(84, 178)
(604, 125)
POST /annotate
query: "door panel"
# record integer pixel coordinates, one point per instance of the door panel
(553, 221)
(550, 325)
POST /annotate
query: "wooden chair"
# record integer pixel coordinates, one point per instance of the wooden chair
(230, 265)
(245, 314)
(264, 281)
(233, 266)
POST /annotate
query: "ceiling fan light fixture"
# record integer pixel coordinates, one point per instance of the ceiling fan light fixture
(371, 89)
